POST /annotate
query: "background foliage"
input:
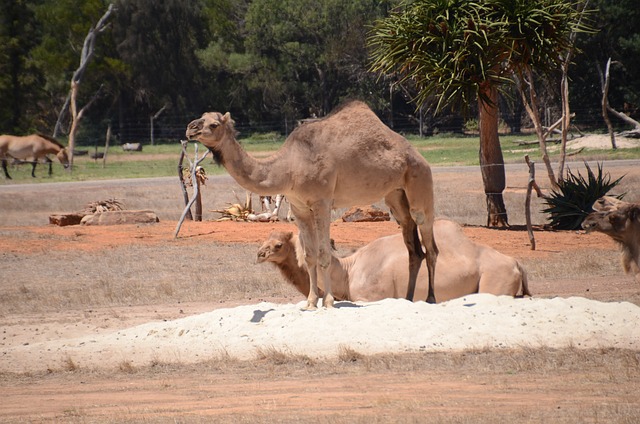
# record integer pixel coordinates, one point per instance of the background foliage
(269, 62)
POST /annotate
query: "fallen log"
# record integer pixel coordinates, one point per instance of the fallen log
(121, 217)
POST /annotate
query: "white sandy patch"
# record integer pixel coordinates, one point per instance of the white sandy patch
(391, 325)
(599, 141)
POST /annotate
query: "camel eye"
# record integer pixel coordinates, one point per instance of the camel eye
(278, 245)
(214, 125)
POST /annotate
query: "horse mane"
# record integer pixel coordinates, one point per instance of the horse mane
(51, 139)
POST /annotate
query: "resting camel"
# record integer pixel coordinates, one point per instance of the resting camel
(34, 147)
(621, 221)
(379, 269)
(347, 158)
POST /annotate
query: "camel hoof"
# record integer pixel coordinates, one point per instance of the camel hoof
(328, 302)
(431, 299)
(310, 306)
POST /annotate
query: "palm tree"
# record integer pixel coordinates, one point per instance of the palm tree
(459, 51)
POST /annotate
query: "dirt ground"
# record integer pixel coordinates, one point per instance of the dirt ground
(483, 385)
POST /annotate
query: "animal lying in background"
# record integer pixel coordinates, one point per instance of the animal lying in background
(34, 147)
(621, 221)
(379, 269)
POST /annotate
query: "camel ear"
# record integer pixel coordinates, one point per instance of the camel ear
(226, 118)
(288, 235)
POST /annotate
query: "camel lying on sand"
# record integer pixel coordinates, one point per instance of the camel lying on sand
(621, 221)
(379, 269)
(346, 158)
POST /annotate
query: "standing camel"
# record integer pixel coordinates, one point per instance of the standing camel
(34, 147)
(347, 158)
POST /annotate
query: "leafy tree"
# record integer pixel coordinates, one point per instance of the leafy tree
(307, 55)
(157, 42)
(20, 81)
(64, 25)
(618, 38)
(461, 52)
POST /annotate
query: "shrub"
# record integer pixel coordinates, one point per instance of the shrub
(575, 196)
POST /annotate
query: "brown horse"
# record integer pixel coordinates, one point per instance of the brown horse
(32, 148)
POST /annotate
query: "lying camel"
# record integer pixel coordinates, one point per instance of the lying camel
(621, 221)
(379, 269)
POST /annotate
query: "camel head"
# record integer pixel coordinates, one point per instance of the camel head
(607, 203)
(615, 222)
(276, 248)
(210, 129)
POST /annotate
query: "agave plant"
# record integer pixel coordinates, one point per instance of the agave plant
(575, 196)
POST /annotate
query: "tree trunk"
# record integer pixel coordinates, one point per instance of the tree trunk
(491, 160)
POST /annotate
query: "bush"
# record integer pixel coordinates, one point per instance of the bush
(575, 196)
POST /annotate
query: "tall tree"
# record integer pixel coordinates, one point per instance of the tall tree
(157, 41)
(20, 81)
(466, 51)
(308, 54)
(618, 38)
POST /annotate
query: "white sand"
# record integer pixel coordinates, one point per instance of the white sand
(392, 325)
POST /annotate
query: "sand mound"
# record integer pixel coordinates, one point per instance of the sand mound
(600, 141)
(391, 325)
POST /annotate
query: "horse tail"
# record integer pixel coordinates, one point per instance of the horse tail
(51, 139)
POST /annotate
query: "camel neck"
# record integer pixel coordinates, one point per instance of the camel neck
(295, 274)
(260, 176)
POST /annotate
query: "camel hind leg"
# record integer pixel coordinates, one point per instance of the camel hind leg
(397, 202)
(419, 194)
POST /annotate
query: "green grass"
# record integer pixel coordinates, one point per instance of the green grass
(440, 150)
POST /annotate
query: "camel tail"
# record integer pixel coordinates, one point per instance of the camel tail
(525, 281)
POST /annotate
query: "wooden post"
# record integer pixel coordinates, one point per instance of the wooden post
(182, 186)
(527, 204)
(196, 186)
(106, 146)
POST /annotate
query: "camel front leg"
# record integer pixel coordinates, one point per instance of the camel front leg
(322, 216)
(309, 243)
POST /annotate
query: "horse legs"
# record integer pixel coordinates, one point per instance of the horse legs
(4, 168)
(397, 202)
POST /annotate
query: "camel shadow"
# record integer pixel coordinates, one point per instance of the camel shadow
(346, 304)
(258, 315)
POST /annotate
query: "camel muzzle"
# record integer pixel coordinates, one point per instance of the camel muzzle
(194, 128)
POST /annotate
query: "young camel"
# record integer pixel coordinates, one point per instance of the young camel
(347, 158)
(621, 221)
(379, 269)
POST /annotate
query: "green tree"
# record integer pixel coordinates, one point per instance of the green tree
(465, 51)
(20, 80)
(618, 38)
(157, 41)
(302, 57)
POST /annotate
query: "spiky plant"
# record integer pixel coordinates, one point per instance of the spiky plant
(575, 196)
